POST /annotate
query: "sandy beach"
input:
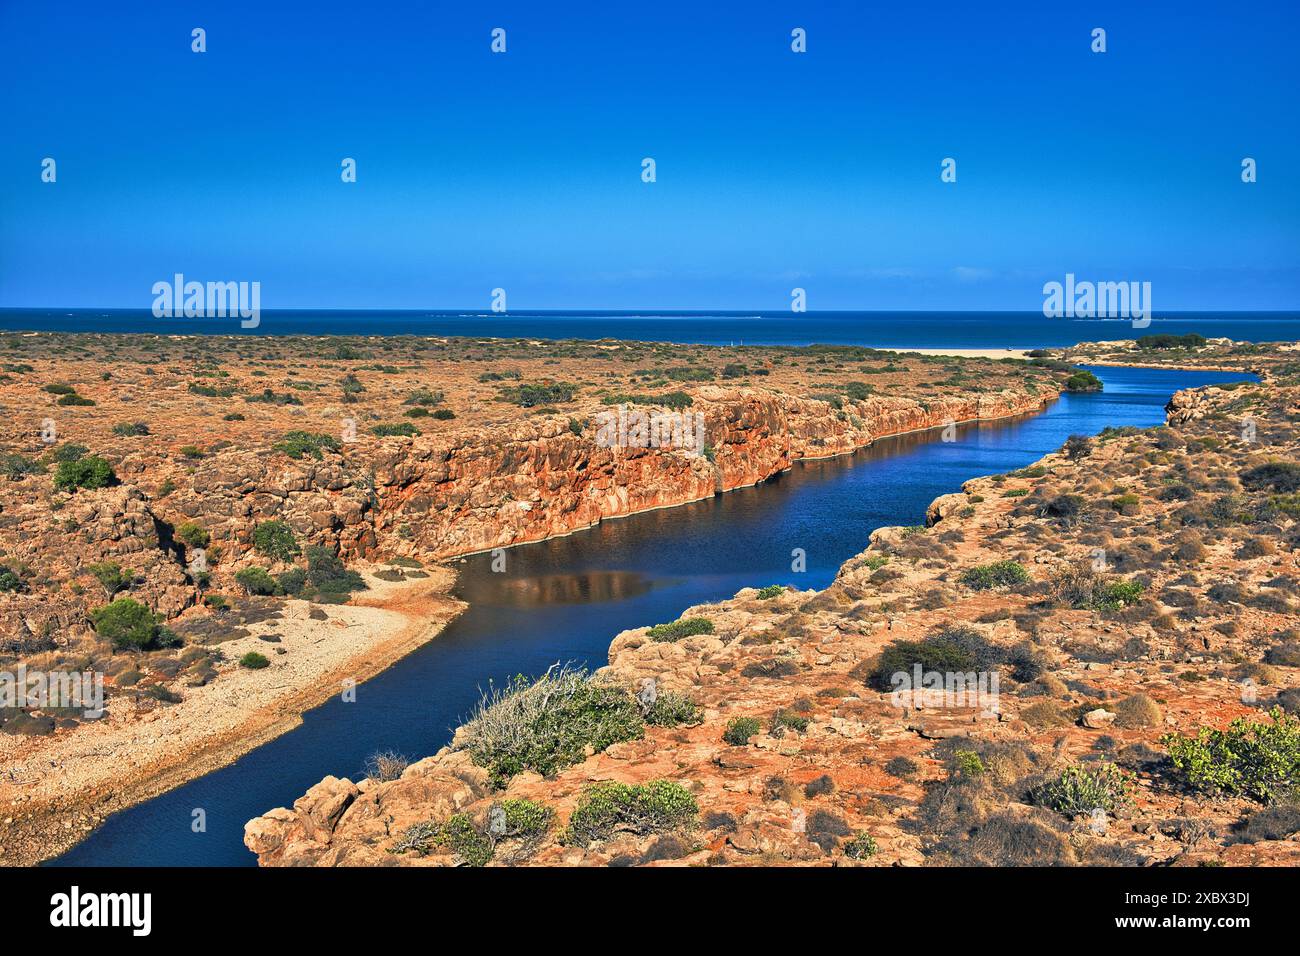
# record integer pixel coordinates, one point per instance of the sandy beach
(973, 353)
(54, 790)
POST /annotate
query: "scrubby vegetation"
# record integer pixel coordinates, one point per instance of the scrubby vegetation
(130, 625)
(547, 724)
(654, 807)
(1256, 759)
(1084, 790)
(675, 631)
(1000, 574)
(275, 540)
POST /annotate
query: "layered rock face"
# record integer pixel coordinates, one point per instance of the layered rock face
(431, 497)
(440, 497)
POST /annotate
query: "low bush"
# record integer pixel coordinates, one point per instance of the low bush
(740, 729)
(784, 720)
(1259, 760)
(392, 429)
(130, 625)
(89, 472)
(275, 540)
(609, 808)
(111, 576)
(531, 396)
(1280, 477)
(861, 847)
(257, 581)
(1136, 711)
(771, 591)
(547, 724)
(385, 765)
(676, 630)
(953, 650)
(1081, 790)
(254, 661)
(16, 467)
(327, 574)
(192, 535)
(671, 709)
(999, 574)
(297, 444)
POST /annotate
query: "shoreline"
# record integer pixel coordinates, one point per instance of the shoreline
(55, 826)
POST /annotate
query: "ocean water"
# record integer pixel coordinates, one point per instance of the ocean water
(893, 330)
(563, 600)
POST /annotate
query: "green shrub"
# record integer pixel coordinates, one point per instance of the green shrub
(111, 577)
(1081, 790)
(60, 388)
(954, 650)
(530, 396)
(784, 720)
(129, 625)
(1165, 340)
(675, 631)
(90, 472)
(256, 580)
(443, 414)
(967, 764)
(292, 581)
(1113, 595)
(16, 467)
(193, 535)
(547, 724)
(1000, 574)
(328, 575)
(740, 729)
(76, 401)
(296, 444)
(424, 398)
(390, 429)
(11, 581)
(1260, 760)
(1083, 381)
(653, 807)
(771, 591)
(275, 540)
(254, 661)
(1281, 477)
(130, 429)
(676, 400)
(861, 846)
(671, 709)
(523, 819)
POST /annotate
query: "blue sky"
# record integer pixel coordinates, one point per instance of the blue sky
(775, 169)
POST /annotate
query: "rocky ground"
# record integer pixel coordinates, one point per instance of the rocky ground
(168, 502)
(1129, 593)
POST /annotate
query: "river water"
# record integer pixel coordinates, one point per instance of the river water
(564, 599)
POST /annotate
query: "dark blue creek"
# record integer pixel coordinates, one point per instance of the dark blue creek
(564, 599)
